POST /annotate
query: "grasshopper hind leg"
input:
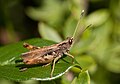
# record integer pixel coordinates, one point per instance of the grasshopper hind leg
(56, 59)
(53, 66)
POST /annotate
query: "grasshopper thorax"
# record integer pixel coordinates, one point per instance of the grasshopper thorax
(65, 45)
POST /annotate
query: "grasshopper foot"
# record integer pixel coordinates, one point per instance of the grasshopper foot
(46, 64)
(23, 69)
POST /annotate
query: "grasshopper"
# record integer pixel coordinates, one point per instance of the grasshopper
(49, 54)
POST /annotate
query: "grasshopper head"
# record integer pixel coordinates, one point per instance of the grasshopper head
(66, 44)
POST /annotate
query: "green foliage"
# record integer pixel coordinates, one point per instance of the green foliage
(98, 17)
(97, 50)
(47, 13)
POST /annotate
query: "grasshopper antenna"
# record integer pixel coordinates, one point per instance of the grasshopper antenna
(81, 32)
(81, 15)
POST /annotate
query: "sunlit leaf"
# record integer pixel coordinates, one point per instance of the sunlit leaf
(49, 33)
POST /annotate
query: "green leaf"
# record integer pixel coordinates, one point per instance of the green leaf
(49, 33)
(10, 63)
(98, 17)
(83, 78)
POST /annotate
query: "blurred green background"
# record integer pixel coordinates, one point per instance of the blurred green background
(97, 50)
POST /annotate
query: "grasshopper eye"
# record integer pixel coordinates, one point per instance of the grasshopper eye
(70, 41)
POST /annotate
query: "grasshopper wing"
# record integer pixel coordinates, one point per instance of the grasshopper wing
(31, 55)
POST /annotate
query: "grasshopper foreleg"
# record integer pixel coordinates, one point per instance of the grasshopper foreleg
(70, 56)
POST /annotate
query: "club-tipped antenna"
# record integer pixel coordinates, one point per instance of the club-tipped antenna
(81, 15)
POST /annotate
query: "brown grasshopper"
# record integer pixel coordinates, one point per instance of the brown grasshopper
(48, 54)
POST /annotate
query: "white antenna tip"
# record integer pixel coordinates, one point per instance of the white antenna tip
(83, 11)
